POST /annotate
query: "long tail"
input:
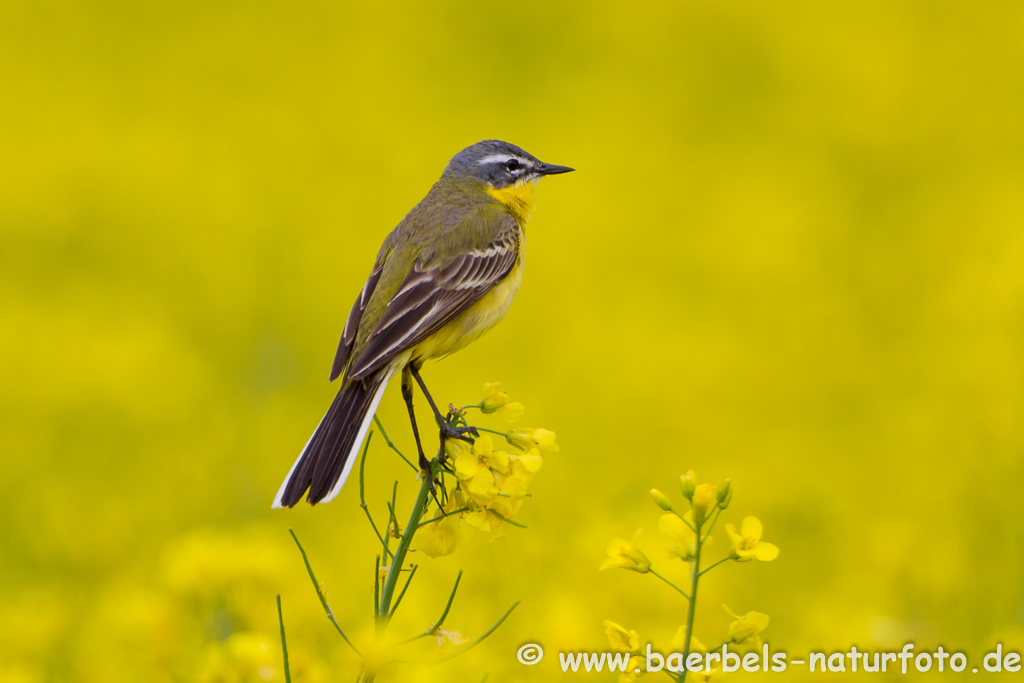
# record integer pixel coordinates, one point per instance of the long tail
(325, 462)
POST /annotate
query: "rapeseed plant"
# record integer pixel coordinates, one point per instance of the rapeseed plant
(688, 533)
(475, 486)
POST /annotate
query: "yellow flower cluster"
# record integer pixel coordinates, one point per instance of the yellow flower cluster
(689, 534)
(489, 483)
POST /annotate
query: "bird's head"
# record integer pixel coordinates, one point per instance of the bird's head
(508, 173)
(500, 164)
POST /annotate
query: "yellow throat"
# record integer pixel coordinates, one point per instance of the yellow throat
(518, 197)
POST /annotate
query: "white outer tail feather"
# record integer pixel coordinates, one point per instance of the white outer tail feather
(352, 455)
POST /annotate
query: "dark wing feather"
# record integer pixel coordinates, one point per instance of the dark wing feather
(432, 296)
(348, 336)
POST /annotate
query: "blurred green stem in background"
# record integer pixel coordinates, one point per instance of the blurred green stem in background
(692, 598)
(320, 594)
(284, 643)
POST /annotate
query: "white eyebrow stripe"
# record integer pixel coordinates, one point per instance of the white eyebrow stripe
(496, 158)
(504, 158)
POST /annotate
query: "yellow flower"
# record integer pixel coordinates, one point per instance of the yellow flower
(511, 412)
(747, 544)
(679, 642)
(496, 401)
(486, 521)
(455, 448)
(621, 640)
(705, 496)
(494, 481)
(479, 469)
(469, 461)
(636, 668)
(746, 627)
(684, 541)
(482, 488)
(494, 397)
(440, 537)
(527, 439)
(623, 554)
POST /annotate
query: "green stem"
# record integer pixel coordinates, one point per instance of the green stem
(404, 588)
(392, 518)
(692, 610)
(362, 498)
(376, 589)
(384, 610)
(284, 643)
(481, 638)
(685, 521)
(711, 526)
(724, 559)
(320, 594)
(507, 520)
(670, 583)
(391, 445)
(403, 546)
(447, 607)
(444, 615)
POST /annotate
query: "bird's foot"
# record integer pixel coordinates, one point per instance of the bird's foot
(467, 434)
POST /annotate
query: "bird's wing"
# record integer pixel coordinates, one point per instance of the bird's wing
(436, 291)
(348, 336)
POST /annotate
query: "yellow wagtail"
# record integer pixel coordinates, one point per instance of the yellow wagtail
(445, 276)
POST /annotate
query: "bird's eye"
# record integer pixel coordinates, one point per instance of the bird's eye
(512, 164)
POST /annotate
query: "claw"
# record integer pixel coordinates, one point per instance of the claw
(450, 432)
(433, 493)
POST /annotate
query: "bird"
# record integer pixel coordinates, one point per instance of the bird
(444, 276)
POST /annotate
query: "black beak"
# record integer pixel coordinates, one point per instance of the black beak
(551, 169)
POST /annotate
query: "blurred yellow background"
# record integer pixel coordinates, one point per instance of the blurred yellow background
(792, 255)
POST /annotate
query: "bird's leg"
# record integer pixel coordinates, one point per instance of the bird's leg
(407, 395)
(440, 480)
(448, 431)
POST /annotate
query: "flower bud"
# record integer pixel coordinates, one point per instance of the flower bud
(493, 402)
(725, 494)
(688, 484)
(661, 500)
(703, 497)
